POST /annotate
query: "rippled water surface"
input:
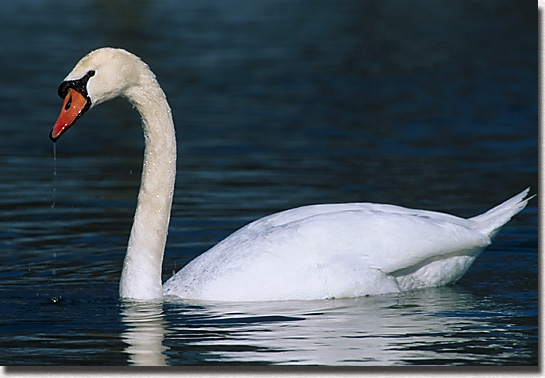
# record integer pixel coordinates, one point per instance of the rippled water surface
(277, 104)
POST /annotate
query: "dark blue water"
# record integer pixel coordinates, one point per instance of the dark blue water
(277, 104)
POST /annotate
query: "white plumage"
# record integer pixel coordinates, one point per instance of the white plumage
(311, 252)
(340, 250)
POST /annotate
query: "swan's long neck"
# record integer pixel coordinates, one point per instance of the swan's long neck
(141, 274)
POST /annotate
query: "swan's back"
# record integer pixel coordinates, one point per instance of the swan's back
(339, 250)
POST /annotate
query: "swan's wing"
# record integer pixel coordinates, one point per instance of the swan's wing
(324, 251)
(388, 237)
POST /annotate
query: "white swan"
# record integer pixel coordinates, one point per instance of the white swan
(312, 252)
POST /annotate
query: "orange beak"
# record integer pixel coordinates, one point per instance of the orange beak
(73, 107)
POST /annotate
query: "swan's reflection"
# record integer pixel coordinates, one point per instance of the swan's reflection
(446, 325)
(146, 329)
(432, 326)
(327, 332)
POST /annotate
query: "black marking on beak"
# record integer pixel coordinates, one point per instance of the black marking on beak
(79, 85)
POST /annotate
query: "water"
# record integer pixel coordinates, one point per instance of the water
(54, 174)
(277, 104)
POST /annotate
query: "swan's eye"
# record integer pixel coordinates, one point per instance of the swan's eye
(91, 73)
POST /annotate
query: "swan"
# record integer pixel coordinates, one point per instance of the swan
(311, 252)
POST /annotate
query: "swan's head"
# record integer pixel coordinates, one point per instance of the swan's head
(100, 76)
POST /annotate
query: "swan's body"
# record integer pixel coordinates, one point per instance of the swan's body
(312, 252)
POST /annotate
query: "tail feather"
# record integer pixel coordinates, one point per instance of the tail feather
(492, 221)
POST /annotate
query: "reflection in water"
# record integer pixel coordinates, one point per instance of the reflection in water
(433, 326)
(145, 333)
(423, 327)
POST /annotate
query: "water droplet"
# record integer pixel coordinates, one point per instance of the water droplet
(54, 174)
